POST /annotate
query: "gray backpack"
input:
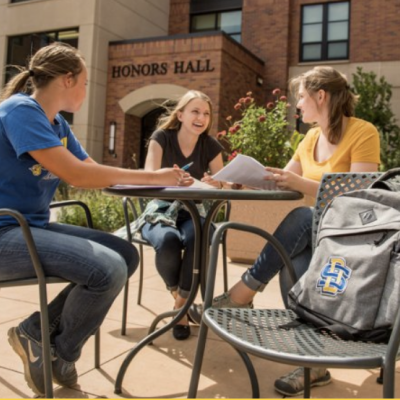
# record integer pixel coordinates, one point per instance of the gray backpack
(352, 286)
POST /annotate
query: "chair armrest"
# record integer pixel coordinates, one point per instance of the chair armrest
(213, 260)
(26, 231)
(69, 203)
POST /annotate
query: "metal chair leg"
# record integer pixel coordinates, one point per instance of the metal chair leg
(46, 346)
(141, 271)
(198, 361)
(97, 349)
(255, 388)
(307, 383)
(125, 308)
(225, 263)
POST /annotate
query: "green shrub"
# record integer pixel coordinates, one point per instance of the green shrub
(107, 211)
(374, 106)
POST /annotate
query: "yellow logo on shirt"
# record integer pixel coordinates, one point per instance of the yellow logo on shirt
(36, 170)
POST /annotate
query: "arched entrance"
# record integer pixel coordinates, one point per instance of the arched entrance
(149, 123)
(144, 106)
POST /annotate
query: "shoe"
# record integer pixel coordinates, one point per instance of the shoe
(225, 301)
(194, 313)
(292, 384)
(64, 372)
(181, 332)
(32, 358)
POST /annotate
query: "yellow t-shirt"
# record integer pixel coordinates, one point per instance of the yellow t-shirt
(360, 144)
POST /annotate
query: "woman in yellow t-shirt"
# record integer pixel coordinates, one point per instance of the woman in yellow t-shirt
(338, 143)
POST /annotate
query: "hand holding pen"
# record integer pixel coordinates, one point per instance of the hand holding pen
(185, 179)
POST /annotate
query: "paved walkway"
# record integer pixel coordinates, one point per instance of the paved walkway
(161, 370)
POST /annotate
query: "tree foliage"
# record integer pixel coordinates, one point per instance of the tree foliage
(374, 106)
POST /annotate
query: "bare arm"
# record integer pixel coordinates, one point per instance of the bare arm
(88, 174)
(154, 156)
(290, 177)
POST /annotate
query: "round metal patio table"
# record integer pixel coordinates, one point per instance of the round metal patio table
(188, 197)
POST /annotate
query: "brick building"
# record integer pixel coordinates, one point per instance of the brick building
(274, 45)
(143, 53)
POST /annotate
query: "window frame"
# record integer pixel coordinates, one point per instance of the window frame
(324, 42)
(216, 15)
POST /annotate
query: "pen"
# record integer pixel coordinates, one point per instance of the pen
(187, 166)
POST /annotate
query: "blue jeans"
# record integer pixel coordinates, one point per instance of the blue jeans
(98, 265)
(175, 268)
(295, 234)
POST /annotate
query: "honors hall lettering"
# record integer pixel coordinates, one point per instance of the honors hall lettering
(151, 69)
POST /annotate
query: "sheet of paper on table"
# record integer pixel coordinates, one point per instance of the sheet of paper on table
(246, 171)
(196, 185)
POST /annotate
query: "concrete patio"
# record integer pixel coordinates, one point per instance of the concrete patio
(162, 370)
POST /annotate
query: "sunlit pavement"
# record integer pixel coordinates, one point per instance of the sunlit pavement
(163, 369)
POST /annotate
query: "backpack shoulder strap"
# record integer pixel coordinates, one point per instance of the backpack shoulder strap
(390, 180)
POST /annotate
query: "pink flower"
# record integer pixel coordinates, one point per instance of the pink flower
(283, 98)
(276, 91)
(297, 116)
(241, 100)
(248, 100)
(262, 118)
(249, 93)
(221, 134)
(237, 106)
(229, 117)
(270, 105)
(232, 156)
(232, 129)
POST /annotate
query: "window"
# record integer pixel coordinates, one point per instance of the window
(21, 47)
(230, 22)
(217, 15)
(325, 31)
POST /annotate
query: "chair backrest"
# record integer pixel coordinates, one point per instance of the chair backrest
(334, 184)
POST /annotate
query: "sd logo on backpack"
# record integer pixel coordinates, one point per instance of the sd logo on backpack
(352, 286)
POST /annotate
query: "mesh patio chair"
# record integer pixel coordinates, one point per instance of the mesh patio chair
(137, 239)
(41, 280)
(258, 332)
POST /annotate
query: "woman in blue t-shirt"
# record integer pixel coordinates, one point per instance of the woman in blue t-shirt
(182, 138)
(37, 149)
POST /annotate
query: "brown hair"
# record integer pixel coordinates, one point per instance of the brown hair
(171, 121)
(342, 100)
(46, 64)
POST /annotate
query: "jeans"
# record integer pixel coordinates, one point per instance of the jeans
(295, 234)
(98, 265)
(175, 268)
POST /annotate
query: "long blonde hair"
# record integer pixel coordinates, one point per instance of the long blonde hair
(342, 100)
(46, 64)
(171, 121)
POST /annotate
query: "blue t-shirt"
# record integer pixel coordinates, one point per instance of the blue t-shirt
(24, 184)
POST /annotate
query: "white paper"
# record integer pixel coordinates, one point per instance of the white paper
(196, 185)
(246, 171)
(201, 185)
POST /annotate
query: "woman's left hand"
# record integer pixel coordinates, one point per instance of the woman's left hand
(210, 181)
(284, 179)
